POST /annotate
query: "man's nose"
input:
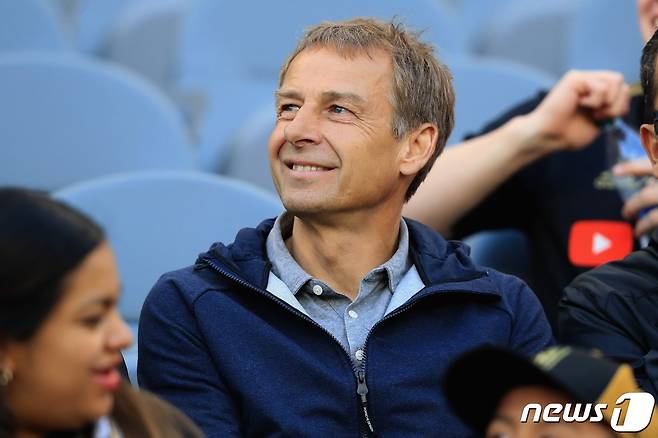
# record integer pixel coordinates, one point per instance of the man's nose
(304, 128)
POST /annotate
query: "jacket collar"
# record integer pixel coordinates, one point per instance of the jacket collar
(441, 264)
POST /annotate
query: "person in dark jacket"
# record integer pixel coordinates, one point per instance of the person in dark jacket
(339, 317)
(615, 306)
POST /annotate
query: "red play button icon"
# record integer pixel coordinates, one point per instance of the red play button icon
(592, 243)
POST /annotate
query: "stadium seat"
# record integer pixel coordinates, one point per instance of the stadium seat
(93, 22)
(67, 119)
(474, 16)
(247, 158)
(505, 250)
(160, 221)
(227, 106)
(486, 87)
(605, 35)
(29, 25)
(145, 39)
(535, 33)
(216, 42)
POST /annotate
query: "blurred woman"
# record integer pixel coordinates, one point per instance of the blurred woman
(60, 332)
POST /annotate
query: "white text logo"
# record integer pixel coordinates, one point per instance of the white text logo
(638, 412)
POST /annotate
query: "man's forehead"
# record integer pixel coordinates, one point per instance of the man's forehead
(330, 74)
(330, 94)
(323, 61)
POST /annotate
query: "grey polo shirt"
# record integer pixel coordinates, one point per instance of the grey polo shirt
(346, 320)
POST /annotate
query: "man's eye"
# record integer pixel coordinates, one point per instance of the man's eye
(337, 109)
(288, 107)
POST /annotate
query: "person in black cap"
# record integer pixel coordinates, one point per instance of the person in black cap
(501, 394)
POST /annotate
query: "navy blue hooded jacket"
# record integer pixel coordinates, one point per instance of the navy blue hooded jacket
(241, 362)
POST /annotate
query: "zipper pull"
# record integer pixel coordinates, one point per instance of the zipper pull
(362, 391)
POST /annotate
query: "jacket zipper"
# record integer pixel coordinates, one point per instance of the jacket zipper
(362, 387)
(362, 390)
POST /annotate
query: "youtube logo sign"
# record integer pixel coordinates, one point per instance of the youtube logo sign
(592, 243)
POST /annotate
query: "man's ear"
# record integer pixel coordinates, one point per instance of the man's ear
(418, 148)
(650, 143)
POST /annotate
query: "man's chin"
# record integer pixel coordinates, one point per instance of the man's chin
(305, 206)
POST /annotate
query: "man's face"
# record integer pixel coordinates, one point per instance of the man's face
(332, 148)
(647, 15)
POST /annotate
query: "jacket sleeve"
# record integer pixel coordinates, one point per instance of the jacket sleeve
(531, 331)
(175, 364)
(605, 321)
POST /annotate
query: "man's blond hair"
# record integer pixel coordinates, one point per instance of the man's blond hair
(422, 86)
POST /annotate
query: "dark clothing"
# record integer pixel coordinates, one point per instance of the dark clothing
(545, 199)
(615, 308)
(242, 362)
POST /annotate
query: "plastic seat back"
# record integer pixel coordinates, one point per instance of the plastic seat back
(67, 119)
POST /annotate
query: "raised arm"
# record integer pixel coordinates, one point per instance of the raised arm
(565, 120)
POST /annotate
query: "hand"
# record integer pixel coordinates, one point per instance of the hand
(645, 198)
(566, 118)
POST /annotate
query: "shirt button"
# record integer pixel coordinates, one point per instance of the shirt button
(317, 289)
(359, 354)
(353, 314)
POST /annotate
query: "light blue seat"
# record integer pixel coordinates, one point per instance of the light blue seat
(29, 25)
(605, 35)
(487, 87)
(225, 108)
(67, 119)
(242, 38)
(474, 16)
(506, 250)
(88, 23)
(145, 39)
(247, 157)
(160, 221)
(535, 33)
(230, 52)
(92, 23)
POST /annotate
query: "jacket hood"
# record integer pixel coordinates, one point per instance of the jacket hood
(437, 260)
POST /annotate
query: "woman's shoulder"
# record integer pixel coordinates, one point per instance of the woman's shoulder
(141, 414)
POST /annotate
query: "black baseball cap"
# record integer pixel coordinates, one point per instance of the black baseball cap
(476, 382)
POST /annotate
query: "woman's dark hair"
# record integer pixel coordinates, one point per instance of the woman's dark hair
(41, 241)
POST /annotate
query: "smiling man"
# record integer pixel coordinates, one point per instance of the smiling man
(339, 317)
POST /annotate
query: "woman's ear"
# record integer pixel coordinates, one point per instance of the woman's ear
(419, 147)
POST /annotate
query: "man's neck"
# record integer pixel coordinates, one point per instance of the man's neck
(341, 255)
